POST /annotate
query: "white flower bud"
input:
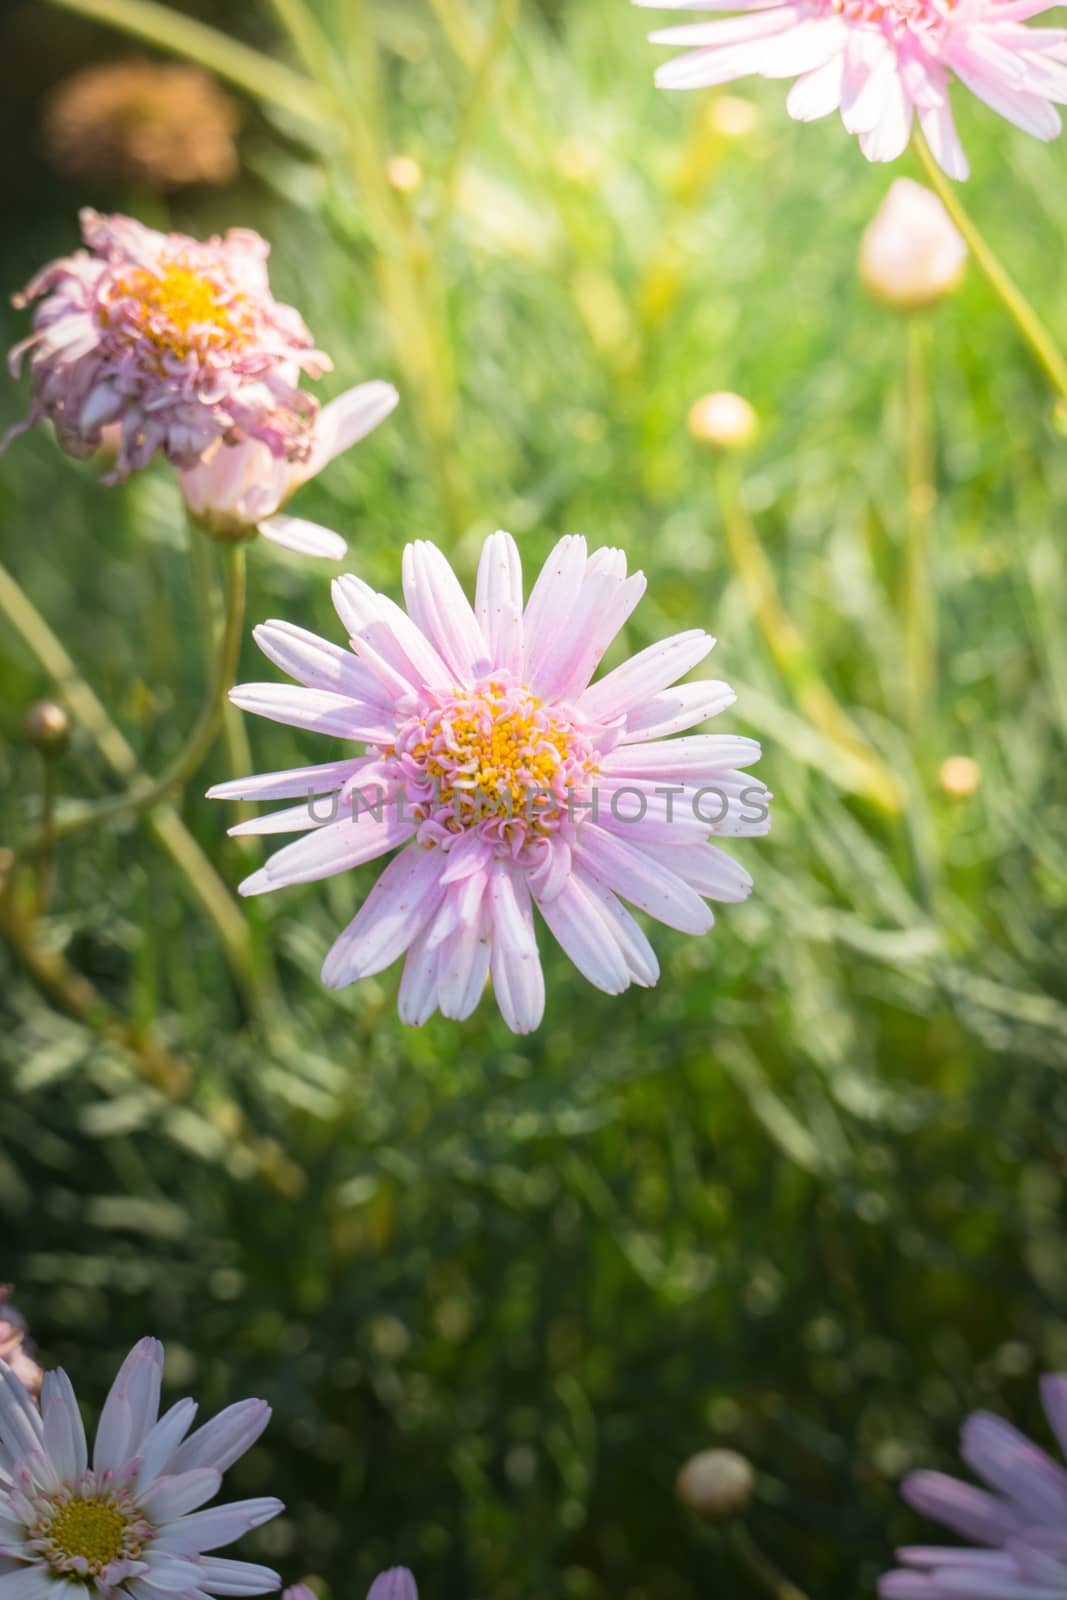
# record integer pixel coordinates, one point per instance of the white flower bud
(911, 254)
(716, 1484)
(959, 776)
(403, 173)
(723, 420)
(47, 727)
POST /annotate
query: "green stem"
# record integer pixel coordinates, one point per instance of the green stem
(46, 861)
(868, 773)
(1014, 301)
(89, 712)
(406, 269)
(234, 732)
(248, 69)
(455, 24)
(920, 601)
(757, 1565)
(145, 792)
(505, 16)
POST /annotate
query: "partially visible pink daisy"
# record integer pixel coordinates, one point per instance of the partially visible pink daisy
(240, 488)
(124, 1523)
(15, 1348)
(1018, 1521)
(881, 63)
(180, 342)
(396, 1583)
(507, 777)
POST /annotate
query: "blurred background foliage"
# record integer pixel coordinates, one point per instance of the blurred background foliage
(805, 1198)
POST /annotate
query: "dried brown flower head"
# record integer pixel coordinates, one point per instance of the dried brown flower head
(141, 123)
(13, 1345)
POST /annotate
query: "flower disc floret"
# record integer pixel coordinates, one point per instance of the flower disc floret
(494, 757)
(181, 312)
(85, 1530)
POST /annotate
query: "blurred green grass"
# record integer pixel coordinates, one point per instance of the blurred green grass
(805, 1197)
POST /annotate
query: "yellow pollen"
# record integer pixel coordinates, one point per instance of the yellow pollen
(92, 1529)
(499, 758)
(174, 302)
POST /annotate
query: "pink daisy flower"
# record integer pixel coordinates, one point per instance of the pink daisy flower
(508, 779)
(881, 63)
(178, 341)
(126, 1527)
(1019, 1521)
(239, 488)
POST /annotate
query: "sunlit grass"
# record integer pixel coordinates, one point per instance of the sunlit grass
(804, 1197)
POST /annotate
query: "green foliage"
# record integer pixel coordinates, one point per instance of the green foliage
(804, 1198)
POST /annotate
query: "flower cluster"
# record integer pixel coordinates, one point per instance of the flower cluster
(509, 779)
(124, 1524)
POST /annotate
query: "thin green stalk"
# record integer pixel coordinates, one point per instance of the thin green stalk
(868, 772)
(759, 1567)
(234, 731)
(406, 269)
(89, 713)
(46, 860)
(1016, 304)
(501, 26)
(248, 69)
(306, 35)
(920, 596)
(145, 792)
(74, 994)
(455, 23)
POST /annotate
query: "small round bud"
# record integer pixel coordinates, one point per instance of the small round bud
(716, 1484)
(724, 421)
(47, 727)
(959, 777)
(911, 254)
(404, 173)
(732, 116)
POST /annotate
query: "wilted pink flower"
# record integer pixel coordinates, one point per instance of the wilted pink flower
(179, 341)
(14, 1349)
(239, 487)
(881, 63)
(508, 779)
(122, 1528)
(1020, 1520)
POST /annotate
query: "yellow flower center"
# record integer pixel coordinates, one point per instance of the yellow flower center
(177, 309)
(91, 1529)
(495, 752)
